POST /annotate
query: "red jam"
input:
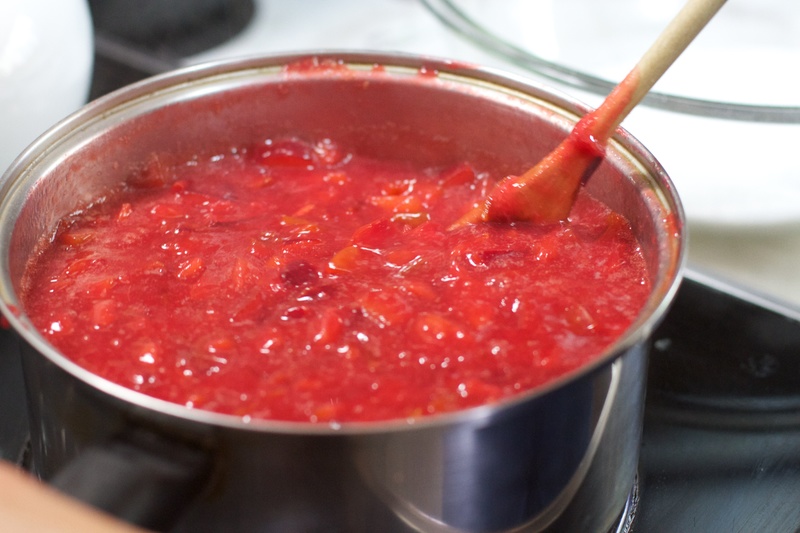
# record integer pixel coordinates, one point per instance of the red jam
(295, 281)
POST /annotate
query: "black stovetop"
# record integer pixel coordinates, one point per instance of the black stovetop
(721, 442)
(721, 445)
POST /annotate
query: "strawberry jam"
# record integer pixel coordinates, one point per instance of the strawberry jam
(297, 281)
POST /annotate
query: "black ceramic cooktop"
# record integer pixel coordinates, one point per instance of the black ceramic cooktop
(721, 449)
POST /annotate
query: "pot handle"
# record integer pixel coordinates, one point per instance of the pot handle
(140, 477)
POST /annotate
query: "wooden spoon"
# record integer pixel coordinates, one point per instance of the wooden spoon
(30, 506)
(546, 192)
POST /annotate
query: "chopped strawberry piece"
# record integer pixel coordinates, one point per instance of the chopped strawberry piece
(459, 175)
(325, 412)
(296, 312)
(101, 288)
(420, 289)
(258, 180)
(220, 343)
(303, 211)
(104, 312)
(385, 307)
(376, 235)
(345, 260)
(308, 384)
(296, 248)
(76, 237)
(299, 225)
(331, 327)
(398, 203)
(411, 220)
(154, 267)
(167, 211)
(191, 269)
(405, 261)
(79, 266)
(251, 308)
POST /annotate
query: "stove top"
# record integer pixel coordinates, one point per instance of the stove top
(721, 442)
(721, 445)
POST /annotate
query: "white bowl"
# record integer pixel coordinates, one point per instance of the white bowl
(46, 58)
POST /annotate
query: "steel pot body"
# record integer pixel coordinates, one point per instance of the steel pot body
(559, 458)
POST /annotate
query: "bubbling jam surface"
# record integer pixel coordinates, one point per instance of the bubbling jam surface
(294, 281)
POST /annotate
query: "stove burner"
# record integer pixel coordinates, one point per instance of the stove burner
(176, 28)
(134, 40)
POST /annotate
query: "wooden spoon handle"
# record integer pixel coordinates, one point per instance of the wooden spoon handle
(33, 507)
(670, 44)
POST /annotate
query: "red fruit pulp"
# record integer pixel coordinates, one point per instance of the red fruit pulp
(297, 281)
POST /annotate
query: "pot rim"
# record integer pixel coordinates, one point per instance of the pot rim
(225, 73)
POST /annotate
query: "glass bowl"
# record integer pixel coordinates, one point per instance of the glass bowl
(724, 120)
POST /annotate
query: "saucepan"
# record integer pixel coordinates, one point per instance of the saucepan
(561, 457)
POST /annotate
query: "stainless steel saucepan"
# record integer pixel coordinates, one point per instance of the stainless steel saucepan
(559, 458)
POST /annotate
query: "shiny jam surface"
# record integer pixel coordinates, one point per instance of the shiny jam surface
(295, 281)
